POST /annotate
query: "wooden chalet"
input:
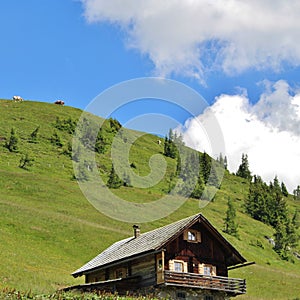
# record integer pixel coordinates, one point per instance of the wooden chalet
(188, 259)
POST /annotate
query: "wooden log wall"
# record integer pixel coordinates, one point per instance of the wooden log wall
(95, 276)
(145, 267)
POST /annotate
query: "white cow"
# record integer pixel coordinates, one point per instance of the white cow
(17, 98)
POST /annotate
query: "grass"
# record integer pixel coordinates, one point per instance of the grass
(12, 294)
(48, 229)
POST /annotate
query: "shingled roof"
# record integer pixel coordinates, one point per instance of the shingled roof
(150, 242)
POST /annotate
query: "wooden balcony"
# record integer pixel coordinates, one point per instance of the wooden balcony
(231, 286)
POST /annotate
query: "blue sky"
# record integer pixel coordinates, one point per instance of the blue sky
(50, 51)
(239, 56)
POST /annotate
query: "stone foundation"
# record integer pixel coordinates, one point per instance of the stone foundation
(178, 293)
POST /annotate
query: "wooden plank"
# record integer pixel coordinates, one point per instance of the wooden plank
(232, 285)
(160, 267)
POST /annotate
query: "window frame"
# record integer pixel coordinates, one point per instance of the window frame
(192, 236)
(207, 270)
(177, 263)
(184, 268)
(212, 269)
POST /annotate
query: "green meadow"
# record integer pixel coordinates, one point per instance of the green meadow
(48, 228)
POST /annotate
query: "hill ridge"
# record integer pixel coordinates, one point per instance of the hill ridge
(48, 229)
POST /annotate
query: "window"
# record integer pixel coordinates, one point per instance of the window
(192, 236)
(178, 266)
(208, 298)
(159, 264)
(180, 295)
(207, 270)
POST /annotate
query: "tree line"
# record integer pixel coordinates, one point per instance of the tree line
(268, 203)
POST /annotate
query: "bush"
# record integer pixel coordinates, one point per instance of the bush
(12, 144)
(26, 161)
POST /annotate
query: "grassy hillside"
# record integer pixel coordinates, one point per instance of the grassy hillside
(48, 229)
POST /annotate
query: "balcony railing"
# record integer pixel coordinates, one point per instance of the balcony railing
(229, 285)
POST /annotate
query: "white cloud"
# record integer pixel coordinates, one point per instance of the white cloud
(267, 131)
(278, 108)
(192, 37)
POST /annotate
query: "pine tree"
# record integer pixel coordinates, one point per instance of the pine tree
(173, 152)
(286, 236)
(229, 221)
(257, 202)
(189, 184)
(205, 166)
(178, 165)
(213, 179)
(199, 188)
(170, 149)
(284, 190)
(187, 168)
(82, 172)
(280, 239)
(278, 206)
(12, 144)
(25, 161)
(68, 150)
(87, 131)
(275, 185)
(114, 124)
(114, 182)
(33, 135)
(102, 143)
(292, 235)
(171, 183)
(243, 170)
(225, 163)
(76, 150)
(296, 219)
(296, 193)
(56, 139)
(220, 159)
